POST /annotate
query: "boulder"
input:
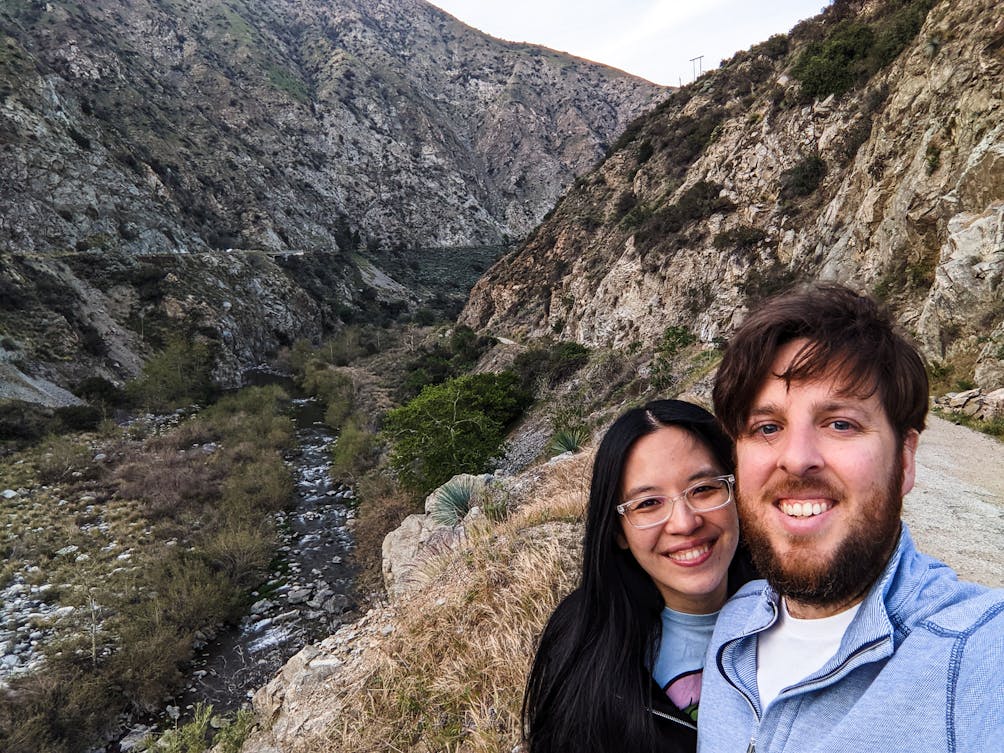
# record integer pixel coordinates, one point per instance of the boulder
(993, 405)
(418, 537)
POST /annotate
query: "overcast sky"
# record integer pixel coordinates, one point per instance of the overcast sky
(654, 39)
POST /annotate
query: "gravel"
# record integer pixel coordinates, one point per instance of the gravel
(956, 509)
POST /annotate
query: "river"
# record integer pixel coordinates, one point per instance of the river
(310, 588)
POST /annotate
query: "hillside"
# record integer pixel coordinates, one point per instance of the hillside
(867, 146)
(292, 124)
(143, 140)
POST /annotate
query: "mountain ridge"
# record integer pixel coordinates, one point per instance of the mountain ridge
(744, 183)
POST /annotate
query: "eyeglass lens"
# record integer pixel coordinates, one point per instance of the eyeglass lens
(705, 495)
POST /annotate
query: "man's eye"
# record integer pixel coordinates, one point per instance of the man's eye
(765, 430)
(841, 425)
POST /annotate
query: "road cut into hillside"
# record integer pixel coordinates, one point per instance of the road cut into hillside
(956, 509)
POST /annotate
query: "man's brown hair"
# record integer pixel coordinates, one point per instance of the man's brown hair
(849, 337)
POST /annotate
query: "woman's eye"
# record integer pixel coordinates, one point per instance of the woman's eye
(649, 503)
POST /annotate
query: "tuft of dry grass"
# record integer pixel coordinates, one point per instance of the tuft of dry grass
(451, 675)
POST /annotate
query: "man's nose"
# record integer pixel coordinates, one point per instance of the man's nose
(798, 451)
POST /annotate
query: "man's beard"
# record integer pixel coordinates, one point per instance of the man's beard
(814, 578)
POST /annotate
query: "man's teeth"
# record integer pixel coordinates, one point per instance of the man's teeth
(804, 509)
(689, 554)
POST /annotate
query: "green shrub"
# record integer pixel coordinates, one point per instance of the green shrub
(698, 202)
(804, 177)
(23, 421)
(932, 158)
(230, 738)
(853, 51)
(263, 484)
(444, 360)
(776, 47)
(353, 451)
(550, 366)
(192, 737)
(674, 339)
(333, 388)
(452, 428)
(179, 375)
(834, 65)
(99, 390)
(79, 417)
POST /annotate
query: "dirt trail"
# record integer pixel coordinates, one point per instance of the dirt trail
(956, 509)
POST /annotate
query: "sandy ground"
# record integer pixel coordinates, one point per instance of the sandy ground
(956, 509)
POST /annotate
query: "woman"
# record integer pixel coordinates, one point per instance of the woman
(618, 665)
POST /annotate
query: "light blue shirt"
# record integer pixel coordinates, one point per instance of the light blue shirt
(680, 661)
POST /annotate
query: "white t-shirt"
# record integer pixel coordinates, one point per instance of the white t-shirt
(680, 662)
(792, 649)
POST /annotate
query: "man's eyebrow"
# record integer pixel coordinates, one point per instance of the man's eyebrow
(767, 409)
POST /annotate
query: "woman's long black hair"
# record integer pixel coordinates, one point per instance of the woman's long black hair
(590, 686)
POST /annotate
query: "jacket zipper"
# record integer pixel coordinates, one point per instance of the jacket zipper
(751, 748)
(672, 718)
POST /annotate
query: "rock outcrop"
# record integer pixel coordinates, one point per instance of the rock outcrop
(741, 185)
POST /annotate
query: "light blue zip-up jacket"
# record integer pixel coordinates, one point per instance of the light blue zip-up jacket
(920, 668)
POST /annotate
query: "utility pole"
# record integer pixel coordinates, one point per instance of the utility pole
(697, 66)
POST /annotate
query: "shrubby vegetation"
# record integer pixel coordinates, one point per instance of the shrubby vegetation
(740, 238)
(181, 374)
(199, 735)
(804, 177)
(194, 505)
(445, 359)
(852, 51)
(674, 339)
(698, 202)
(453, 427)
(545, 367)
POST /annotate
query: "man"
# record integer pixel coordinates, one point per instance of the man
(856, 642)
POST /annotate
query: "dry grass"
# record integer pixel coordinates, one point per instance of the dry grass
(452, 673)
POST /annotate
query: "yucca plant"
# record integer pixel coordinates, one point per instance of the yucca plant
(454, 499)
(569, 440)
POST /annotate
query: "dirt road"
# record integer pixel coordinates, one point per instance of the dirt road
(956, 509)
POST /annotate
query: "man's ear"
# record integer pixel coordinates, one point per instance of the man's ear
(909, 459)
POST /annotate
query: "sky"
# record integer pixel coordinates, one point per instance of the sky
(654, 39)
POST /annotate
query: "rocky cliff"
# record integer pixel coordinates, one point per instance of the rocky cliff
(304, 133)
(754, 177)
(289, 124)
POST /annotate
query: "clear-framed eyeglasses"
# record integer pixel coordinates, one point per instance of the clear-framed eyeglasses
(653, 510)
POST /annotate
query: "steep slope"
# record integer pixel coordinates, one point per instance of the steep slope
(755, 177)
(173, 125)
(134, 130)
